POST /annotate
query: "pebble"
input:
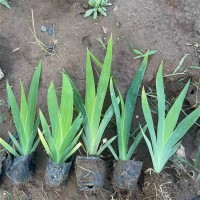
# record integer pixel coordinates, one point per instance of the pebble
(1, 74)
(118, 24)
(43, 28)
(49, 29)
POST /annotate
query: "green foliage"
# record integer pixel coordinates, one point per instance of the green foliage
(91, 109)
(5, 3)
(140, 54)
(24, 118)
(168, 138)
(97, 6)
(61, 141)
(124, 114)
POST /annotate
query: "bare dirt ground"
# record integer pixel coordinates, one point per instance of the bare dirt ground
(170, 26)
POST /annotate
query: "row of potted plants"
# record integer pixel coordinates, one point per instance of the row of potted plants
(66, 134)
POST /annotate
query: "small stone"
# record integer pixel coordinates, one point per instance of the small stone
(1, 74)
(115, 8)
(85, 5)
(118, 24)
(43, 28)
(50, 30)
(104, 29)
(181, 152)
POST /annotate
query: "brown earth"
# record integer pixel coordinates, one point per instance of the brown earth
(170, 26)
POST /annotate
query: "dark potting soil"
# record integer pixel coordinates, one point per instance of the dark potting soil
(91, 173)
(22, 169)
(125, 175)
(57, 174)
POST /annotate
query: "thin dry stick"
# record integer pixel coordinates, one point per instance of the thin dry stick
(42, 45)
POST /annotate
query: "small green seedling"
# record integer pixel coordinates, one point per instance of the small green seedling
(169, 134)
(24, 118)
(94, 124)
(5, 3)
(141, 54)
(60, 140)
(124, 114)
(97, 6)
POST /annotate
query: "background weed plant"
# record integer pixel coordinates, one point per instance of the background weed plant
(141, 54)
(168, 138)
(97, 6)
(60, 141)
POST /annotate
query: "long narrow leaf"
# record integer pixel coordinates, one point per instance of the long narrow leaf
(106, 119)
(72, 152)
(115, 105)
(113, 152)
(54, 113)
(102, 86)
(96, 60)
(66, 105)
(24, 106)
(183, 127)
(149, 119)
(149, 145)
(174, 112)
(90, 88)
(132, 94)
(45, 144)
(122, 135)
(35, 145)
(33, 136)
(135, 143)
(5, 3)
(9, 148)
(16, 115)
(161, 105)
(64, 154)
(32, 100)
(78, 101)
(47, 134)
(69, 136)
(19, 149)
(104, 146)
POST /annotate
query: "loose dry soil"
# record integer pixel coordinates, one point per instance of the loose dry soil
(170, 26)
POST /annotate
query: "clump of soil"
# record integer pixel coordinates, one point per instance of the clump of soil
(91, 173)
(125, 175)
(159, 186)
(170, 184)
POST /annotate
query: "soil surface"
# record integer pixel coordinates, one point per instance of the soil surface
(172, 27)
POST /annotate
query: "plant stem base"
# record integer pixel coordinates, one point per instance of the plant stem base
(57, 174)
(22, 169)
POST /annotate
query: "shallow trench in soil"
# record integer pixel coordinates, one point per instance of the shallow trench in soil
(172, 27)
